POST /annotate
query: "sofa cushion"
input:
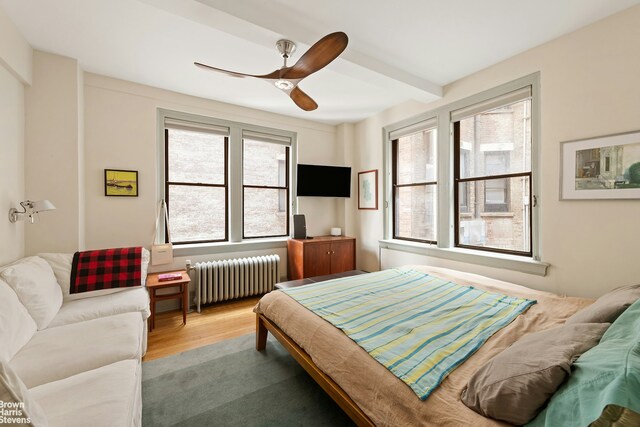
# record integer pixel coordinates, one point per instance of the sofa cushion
(104, 397)
(58, 353)
(35, 284)
(16, 325)
(127, 301)
(61, 265)
(16, 398)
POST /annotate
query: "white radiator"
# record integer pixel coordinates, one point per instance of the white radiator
(235, 278)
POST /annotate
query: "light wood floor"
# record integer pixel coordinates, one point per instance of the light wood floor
(218, 322)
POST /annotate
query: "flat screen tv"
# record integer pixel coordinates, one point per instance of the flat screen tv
(324, 181)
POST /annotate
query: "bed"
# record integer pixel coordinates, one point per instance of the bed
(366, 390)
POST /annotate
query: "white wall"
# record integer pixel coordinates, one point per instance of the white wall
(53, 153)
(15, 69)
(590, 86)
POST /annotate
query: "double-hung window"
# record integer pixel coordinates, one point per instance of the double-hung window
(196, 182)
(462, 179)
(492, 174)
(265, 180)
(225, 181)
(415, 183)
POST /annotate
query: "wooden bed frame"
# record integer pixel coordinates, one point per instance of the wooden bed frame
(264, 326)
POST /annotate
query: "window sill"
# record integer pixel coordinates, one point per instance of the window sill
(223, 247)
(497, 215)
(488, 259)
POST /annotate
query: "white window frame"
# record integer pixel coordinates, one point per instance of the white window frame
(235, 241)
(445, 246)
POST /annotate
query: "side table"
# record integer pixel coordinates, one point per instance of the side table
(153, 285)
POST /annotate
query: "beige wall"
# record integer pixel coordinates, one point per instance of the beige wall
(53, 152)
(589, 87)
(12, 170)
(120, 133)
(15, 52)
(15, 69)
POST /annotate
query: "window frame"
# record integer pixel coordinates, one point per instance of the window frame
(225, 185)
(235, 212)
(396, 186)
(458, 180)
(286, 187)
(445, 247)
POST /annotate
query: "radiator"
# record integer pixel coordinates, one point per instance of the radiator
(235, 278)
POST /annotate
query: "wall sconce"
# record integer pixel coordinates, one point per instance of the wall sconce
(29, 209)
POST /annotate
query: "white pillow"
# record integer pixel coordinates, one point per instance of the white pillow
(61, 265)
(35, 284)
(15, 397)
(16, 325)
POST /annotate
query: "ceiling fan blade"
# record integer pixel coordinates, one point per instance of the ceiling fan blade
(273, 75)
(318, 56)
(302, 100)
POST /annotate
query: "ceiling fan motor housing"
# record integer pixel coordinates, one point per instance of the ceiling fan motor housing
(286, 48)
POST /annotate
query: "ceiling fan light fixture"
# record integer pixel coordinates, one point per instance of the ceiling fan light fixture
(283, 84)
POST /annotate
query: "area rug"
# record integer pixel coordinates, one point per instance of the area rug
(231, 384)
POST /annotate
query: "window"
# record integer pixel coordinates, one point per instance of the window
(225, 181)
(497, 177)
(196, 186)
(415, 186)
(496, 191)
(464, 176)
(266, 189)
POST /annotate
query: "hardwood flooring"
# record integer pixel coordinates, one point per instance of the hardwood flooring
(215, 323)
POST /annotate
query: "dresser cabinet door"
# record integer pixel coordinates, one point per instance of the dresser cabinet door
(317, 259)
(342, 258)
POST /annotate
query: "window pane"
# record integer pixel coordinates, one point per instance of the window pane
(496, 215)
(264, 163)
(196, 157)
(416, 212)
(496, 142)
(416, 158)
(265, 213)
(196, 213)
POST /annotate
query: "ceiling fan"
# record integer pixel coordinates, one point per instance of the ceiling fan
(287, 78)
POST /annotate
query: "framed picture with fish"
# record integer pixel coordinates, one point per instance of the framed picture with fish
(120, 183)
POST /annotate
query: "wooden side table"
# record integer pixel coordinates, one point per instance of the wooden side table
(153, 284)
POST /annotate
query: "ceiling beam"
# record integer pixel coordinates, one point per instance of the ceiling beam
(251, 25)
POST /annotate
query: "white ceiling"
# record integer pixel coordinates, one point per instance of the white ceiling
(397, 50)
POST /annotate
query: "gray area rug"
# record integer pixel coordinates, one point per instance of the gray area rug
(231, 384)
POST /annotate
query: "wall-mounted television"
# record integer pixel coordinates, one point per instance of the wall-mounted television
(323, 181)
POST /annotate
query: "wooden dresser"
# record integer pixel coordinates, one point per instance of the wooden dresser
(320, 256)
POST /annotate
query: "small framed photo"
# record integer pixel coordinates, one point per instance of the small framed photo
(606, 167)
(368, 189)
(120, 183)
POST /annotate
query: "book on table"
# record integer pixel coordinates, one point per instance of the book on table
(166, 277)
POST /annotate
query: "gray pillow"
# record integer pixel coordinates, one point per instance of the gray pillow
(608, 307)
(515, 385)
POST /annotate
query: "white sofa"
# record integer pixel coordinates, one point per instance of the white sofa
(69, 360)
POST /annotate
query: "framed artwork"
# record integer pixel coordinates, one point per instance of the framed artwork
(368, 189)
(120, 183)
(606, 167)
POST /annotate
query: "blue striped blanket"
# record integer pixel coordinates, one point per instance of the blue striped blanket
(418, 326)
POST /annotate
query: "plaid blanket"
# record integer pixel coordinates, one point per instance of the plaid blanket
(106, 269)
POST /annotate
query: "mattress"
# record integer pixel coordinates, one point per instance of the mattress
(384, 398)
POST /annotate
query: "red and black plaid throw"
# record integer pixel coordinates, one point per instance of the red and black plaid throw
(106, 269)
